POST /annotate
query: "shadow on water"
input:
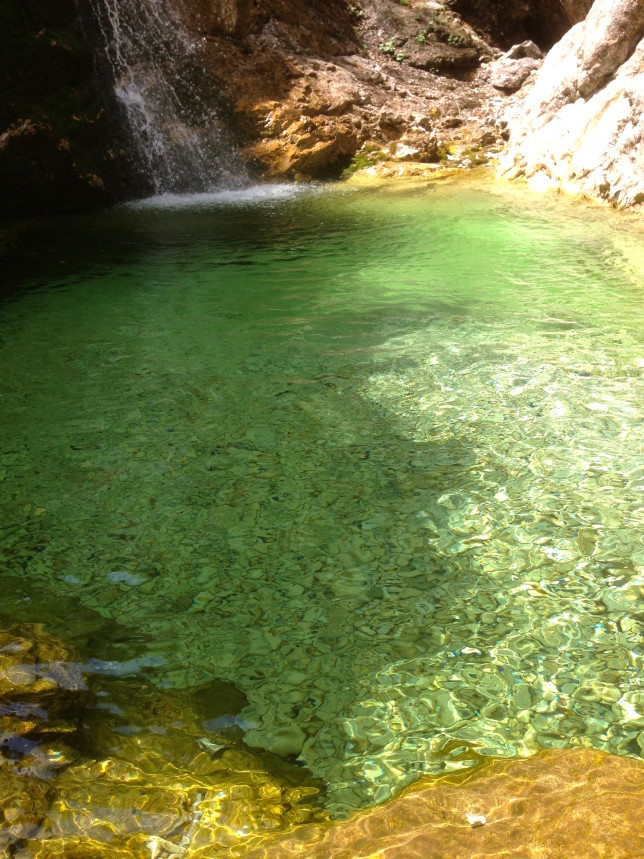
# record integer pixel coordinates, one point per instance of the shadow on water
(268, 539)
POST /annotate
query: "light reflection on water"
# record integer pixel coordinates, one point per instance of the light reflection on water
(375, 458)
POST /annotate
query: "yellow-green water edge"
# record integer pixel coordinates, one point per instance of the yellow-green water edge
(373, 457)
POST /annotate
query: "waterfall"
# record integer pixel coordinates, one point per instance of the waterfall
(168, 100)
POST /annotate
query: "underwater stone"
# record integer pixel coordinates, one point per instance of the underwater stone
(122, 577)
(286, 742)
(562, 799)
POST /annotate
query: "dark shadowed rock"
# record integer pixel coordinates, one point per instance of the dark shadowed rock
(505, 22)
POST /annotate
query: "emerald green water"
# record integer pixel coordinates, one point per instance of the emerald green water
(375, 457)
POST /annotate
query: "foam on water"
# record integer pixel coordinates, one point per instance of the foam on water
(226, 197)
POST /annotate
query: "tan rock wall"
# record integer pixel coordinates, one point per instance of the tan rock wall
(225, 17)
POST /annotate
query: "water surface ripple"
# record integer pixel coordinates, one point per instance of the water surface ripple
(376, 458)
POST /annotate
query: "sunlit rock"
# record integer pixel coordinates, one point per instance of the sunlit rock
(557, 804)
(581, 126)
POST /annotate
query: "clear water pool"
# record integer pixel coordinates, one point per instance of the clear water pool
(374, 457)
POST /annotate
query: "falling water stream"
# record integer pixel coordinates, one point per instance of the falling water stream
(168, 99)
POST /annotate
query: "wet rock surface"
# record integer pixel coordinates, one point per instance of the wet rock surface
(58, 150)
(97, 765)
(37, 716)
(556, 805)
(316, 92)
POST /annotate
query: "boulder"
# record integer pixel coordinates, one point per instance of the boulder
(423, 148)
(524, 49)
(509, 75)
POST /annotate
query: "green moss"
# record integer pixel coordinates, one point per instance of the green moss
(368, 156)
(475, 155)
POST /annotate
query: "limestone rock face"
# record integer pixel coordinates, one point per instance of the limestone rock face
(581, 127)
(316, 88)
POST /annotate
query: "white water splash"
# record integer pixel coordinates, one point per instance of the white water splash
(238, 196)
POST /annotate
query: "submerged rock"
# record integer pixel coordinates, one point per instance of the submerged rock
(557, 804)
(581, 127)
(40, 690)
(112, 768)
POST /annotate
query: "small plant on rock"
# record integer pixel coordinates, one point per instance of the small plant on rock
(387, 47)
(437, 19)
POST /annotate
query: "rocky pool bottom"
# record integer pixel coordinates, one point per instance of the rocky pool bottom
(309, 494)
(78, 781)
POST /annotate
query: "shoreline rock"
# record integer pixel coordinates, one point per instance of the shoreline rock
(580, 129)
